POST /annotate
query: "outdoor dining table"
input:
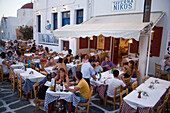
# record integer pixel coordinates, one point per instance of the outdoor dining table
(125, 60)
(147, 103)
(50, 70)
(29, 79)
(15, 66)
(100, 83)
(52, 96)
(73, 67)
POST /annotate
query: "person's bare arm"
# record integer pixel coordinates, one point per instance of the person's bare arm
(94, 77)
(71, 90)
(167, 63)
(5, 63)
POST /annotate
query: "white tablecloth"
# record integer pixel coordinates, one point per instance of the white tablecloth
(17, 66)
(49, 70)
(104, 76)
(133, 58)
(36, 76)
(36, 60)
(28, 54)
(154, 94)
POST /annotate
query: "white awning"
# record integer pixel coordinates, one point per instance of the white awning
(121, 25)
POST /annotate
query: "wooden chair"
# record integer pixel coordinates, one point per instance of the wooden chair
(37, 101)
(13, 81)
(93, 51)
(32, 65)
(161, 108)
(42, 65)
(127, 81)
(157, 70)
(44, 73)
(85, 104)
(125, 56)
(79, 67)
(116, 94)
(1, 73)
(134, 85)
(122, 94)
(145, 78)
(37, 69)
(19, 86)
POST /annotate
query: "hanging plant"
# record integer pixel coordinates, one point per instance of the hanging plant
(27, 32)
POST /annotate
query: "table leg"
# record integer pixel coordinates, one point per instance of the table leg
(27, 97)
(101, 101)
(69, 107)
(50, 107)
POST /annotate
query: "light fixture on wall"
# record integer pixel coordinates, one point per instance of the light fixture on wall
(152, 31)
(37, 12)
(130, 41)
(54, 9)
(65, 7)
(91, 38)
(2, 31)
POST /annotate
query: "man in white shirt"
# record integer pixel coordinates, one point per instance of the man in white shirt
(65, 51)
(114, 82)
(88, 71)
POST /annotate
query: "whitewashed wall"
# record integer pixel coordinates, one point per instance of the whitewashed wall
(95, 8)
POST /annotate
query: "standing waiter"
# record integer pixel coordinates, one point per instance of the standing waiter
(88, 71)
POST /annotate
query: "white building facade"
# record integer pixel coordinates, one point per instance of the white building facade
(60, 13)
(10, 24)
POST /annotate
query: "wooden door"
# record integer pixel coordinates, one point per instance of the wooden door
(66, 44)
(115, 50)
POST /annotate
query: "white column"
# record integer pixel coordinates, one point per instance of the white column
(73, 45)
(143, 43)
(86, 11)
(72, 17)
(59, 19)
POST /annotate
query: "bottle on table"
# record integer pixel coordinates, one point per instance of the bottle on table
(52, 84)
(61, 89)
(112, 71)
(100, 75)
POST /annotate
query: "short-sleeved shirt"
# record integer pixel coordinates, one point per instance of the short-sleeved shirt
(98, 69)
(110, 63)
(112, 84)
(84, 89)
(87, 70)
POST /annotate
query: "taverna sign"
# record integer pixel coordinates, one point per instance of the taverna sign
(123, 5)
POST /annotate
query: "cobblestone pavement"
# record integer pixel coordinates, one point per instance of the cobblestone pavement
(10, 103)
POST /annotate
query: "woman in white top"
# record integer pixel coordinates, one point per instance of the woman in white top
(4, 64)
(165, 64)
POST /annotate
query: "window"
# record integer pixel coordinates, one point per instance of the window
(54, 21)
(39, 23)
(79, 18)
(65, 18)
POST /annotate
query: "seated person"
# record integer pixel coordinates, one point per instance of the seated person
(47, 52)
(165, 64)
(20, 57)
(41, 48)
(10, 57)
(50, 63)
(68, 59)
(33, 49)
(82, 87)
(62, 77)
(4, 64)
(64, 52)
(61, 64)
(70, 52)
(132, 67)
(113, 83)
(98, 68)
(79, 57)
(126, 71)
(87, 58)
(37, 55)
(107, 65)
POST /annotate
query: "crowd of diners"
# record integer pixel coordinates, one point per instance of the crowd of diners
(14, 53)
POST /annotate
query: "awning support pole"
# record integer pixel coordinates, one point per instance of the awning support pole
(147, 66)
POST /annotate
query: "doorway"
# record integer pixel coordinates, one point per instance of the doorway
(66, 44)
